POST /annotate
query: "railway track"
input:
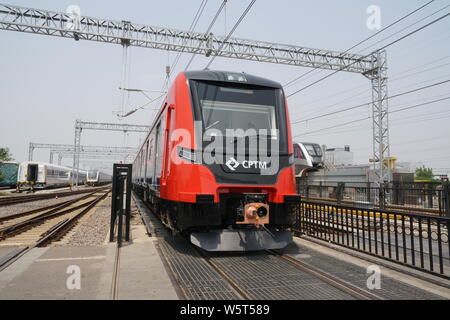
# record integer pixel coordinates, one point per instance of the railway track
(248, 276)
(6, 201)
(29, 230)
(244, 294)
(397, 208)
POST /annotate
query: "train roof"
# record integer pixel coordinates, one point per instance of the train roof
(232, 77)
(49, 165)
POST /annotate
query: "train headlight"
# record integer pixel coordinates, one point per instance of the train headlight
(187, 154)
(261, 212)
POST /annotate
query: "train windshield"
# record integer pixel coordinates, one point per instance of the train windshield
(92, 174)
(225, 107)
(313, 149)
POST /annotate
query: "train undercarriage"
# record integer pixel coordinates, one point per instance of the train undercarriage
(239, 222)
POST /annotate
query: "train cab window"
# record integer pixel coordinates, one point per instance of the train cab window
(238, 108)
(223, 106)
(318, 150)
(313, 149)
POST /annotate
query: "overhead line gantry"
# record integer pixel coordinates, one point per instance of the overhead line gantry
(126, 33)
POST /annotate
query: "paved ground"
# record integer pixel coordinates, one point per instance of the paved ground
(50, 273)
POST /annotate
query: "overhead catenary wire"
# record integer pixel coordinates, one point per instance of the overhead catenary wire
(369, 103)
(231, 31)
(177, 58)
(368, 117)
(407, 27)
(395, 77)
(368, 38)
(380, 49)
(191, 28)
(354, 97)
(208, 30)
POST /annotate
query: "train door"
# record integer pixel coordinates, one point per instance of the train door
(150, 162)
(32, 172)
(166, 155)
(145, 161)
(157, 153)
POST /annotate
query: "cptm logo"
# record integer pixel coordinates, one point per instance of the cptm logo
(232, 163)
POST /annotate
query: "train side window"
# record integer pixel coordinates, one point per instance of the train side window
(297, 152)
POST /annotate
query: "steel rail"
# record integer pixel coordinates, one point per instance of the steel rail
(51, 234)
(328, 278)
(12, 229)
(116, 273)
(21, 199)
(242, 293)
(55, 207)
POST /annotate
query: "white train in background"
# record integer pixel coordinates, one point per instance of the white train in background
(96, 178)
(302, 160)
(40, 175)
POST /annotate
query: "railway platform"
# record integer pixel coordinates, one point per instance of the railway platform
(50, 272)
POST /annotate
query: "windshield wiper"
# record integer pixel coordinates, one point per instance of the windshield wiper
(213, 124)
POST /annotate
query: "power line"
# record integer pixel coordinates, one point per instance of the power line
(208, 30)
(395, 77)
(380, 49)
(232, 30)
(368, 38)
(364, 127)
(368, 117)
(368, 103)
(418, 105)
(412, 24)
(445, 76)
(191, 28)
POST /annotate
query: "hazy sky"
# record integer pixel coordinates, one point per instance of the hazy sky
(47, 82)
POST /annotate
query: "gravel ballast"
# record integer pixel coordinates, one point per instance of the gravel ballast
(26, 206)
(93, 230)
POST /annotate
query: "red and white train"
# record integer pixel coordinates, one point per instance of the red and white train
(238, 201)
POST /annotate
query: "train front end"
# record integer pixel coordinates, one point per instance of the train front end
(234, 188)
(30, 175)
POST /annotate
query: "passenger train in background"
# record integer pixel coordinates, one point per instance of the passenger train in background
(314, 150)
(226, 205)
(302, 160)
(40, 175)
(97, 178)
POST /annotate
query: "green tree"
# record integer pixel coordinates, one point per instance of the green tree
(4, 156)
(424, 173)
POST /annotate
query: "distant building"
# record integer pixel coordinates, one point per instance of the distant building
(339, 156)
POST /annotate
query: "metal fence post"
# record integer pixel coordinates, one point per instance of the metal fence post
(446, 198)
(430, 190)
(340, 192)
(307, 191)
(396, 192)
(320, 189)
(382, 196)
